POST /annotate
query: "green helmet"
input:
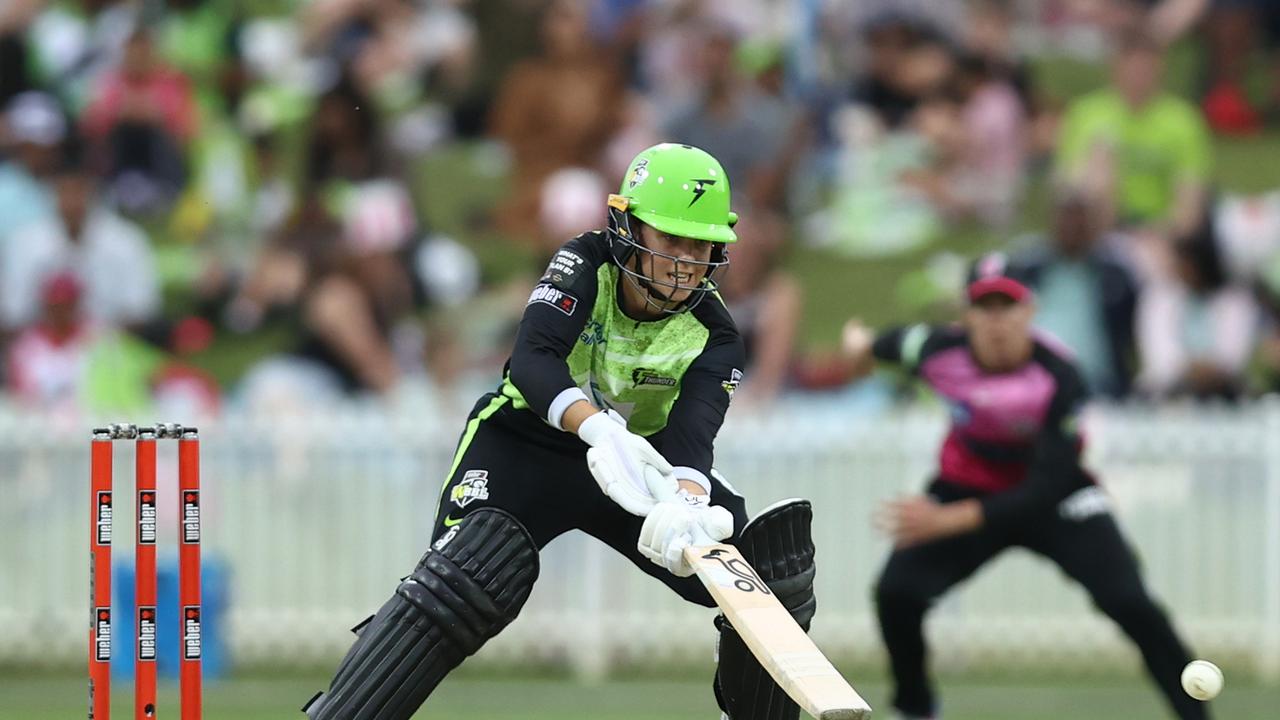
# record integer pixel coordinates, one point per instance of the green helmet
(678, 190)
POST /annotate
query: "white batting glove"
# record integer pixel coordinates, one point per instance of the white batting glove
(678, 523)
(617, 460)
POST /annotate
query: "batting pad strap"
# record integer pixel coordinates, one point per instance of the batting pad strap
(474, 585)
(561, 402)
(462, 609)
(682, 472)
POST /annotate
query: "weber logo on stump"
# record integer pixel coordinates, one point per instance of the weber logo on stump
(147, 517)
(190, 516)
(103, 523)
(102, 634)
(191, 632)
(147, 633)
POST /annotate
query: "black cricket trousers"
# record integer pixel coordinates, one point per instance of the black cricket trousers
(1087, 546)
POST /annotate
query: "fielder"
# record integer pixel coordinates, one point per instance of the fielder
(1010, 474)
(622, 371)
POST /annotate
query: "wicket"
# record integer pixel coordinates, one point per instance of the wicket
(101, 521)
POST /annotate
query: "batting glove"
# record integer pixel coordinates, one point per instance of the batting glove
(617, 460)
(684, 521)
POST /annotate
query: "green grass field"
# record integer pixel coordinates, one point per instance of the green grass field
(59, 698)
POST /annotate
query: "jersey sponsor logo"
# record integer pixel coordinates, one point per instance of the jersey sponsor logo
(731, 385)
(548, 294)
(563, 267)
(102, 523)
(147, 633)
(641, 377)
(1084, 504)
(191, 632)
(473, 486)
(639, 174)
(700, 186)
(190, 517)
(592, 334)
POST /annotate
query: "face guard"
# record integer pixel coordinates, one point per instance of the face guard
(631, 255)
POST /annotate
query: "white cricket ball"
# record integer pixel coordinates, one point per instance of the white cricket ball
(1202, 680)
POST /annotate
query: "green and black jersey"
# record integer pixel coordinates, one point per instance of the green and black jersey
(671, 378)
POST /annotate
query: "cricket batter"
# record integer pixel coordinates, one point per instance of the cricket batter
(622, 371)
(1010, 474)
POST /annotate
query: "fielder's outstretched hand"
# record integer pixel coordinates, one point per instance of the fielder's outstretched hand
(920, 519)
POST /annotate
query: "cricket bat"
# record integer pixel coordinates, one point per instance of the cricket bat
(782, 648)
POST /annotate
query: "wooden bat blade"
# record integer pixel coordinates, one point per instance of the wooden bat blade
(782, 648)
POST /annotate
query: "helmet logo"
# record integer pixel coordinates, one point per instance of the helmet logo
(699, 188)
(639, 174)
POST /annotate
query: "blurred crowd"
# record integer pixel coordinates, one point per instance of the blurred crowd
(212, 202)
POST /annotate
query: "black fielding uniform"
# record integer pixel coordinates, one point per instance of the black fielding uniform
(1014, 446)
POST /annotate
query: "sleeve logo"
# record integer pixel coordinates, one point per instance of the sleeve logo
(731, 385)
(563, 267)
(550, 295)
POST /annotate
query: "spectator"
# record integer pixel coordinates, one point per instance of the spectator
(73, 44)
(1269, 346)
(745, 122)
(364, 285)
(556, 110)
(343, 144)
(178, 387)
(1235, 32)
(766, 303)
(570, 204)
(1085, 296)
(977, 135)
(141, 118)
(748, 124)
(196, 38)
(907, 61)
(989, 37)
(48, 361)
(1196, 335)
(1146, 150)
(31, 135)
(13, 58)
(109, 255)
(281, 271)
(66, 363)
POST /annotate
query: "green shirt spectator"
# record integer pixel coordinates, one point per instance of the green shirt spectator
(1156, 147)
(1143, 149)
